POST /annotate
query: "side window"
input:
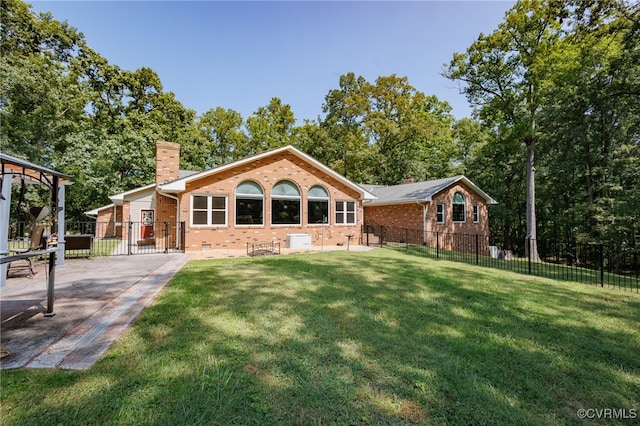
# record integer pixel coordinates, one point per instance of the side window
(440, 213)
(458, 207)
(345, 212)
(207, 210)
(476, 214)
(285, 204)
(249, 204)
(317, 205)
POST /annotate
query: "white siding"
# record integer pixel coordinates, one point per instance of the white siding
(142, 201)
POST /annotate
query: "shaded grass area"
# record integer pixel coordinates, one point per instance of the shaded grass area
(547, 269)
(352, 338)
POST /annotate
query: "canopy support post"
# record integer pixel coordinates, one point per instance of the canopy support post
(5, 211)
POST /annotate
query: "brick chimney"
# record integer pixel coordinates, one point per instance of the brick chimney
(167, 162)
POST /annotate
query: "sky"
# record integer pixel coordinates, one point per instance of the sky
(238, 55)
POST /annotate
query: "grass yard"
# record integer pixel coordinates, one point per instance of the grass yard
(354, 338)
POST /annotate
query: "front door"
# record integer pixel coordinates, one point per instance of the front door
(146, 227)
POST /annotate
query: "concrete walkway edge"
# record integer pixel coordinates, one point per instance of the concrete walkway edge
(87, 342)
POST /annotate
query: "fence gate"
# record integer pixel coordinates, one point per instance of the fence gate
(88, 239)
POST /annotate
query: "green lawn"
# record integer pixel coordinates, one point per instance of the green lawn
(353, 338)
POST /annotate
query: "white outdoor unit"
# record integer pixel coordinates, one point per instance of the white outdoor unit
(297, 241)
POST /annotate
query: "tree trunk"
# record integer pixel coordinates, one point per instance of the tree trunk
(531, 248)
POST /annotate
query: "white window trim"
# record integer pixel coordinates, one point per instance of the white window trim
(345, 211)
(241, 196)
(287, 197)
(464, 210)
(327, 199)
(247, 197)
(476, 213)
(209, 211)
(444, 216)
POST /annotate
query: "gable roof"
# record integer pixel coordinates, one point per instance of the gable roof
(95, 212)
(118, 199)
(419, 191)
(179, 185)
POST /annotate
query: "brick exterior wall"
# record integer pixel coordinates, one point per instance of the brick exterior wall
(106, 223)
(396, 215)
(267, 172)
(167, 162)
(166, 210)
(411, 216)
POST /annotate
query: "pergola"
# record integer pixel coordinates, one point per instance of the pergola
(16, 170)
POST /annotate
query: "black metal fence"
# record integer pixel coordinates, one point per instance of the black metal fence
(91, 238)
(597, 264)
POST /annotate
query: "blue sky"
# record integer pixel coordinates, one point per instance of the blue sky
(238, 55)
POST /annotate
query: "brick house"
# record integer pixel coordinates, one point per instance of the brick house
(282, 195)
(452, 205)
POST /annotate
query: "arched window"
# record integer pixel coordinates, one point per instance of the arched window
(459, 213)
(285, 204)
(249, 204)
(318, 205)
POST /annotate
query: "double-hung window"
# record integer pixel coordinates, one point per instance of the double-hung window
(249, 204)
(318, 205)
(285, 204)
(208, 210)
(345, 212)
(440, 213)
(476, 214)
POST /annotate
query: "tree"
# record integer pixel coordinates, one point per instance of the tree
(40, 99)
(468, 136)
(345, 108)
(387, 131)
(502, 73)
(269, 127)
(411, 132)
(225, 140)
(592, 124)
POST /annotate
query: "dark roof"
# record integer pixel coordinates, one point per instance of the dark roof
(418, 191)
(26, 165)
(186, 173)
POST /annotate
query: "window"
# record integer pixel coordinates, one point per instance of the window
(208, 210)
(285, 204)
(345, 212)
(440, 213)
(318, 205)
(476, 214)
(249, 204)
(458, 207)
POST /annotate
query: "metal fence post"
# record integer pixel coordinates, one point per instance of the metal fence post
(129, 236)
(406, 237)
(529, 253)
(166, 236)
(601, 265)
(477, 249)
(438, 244)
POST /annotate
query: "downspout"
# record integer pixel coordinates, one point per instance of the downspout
(424, 220)
(173, 197)
(115, 220)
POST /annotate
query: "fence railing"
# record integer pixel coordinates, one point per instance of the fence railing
(597, 264)
(91, 238)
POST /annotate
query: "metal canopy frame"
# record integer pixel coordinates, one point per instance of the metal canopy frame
(16, 170)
